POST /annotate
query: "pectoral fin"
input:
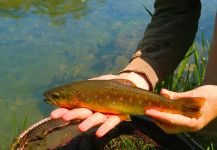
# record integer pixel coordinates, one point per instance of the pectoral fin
(125, 117)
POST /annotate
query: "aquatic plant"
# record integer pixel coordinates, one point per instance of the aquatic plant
(190, 72)
(55, 9)
(210, 147)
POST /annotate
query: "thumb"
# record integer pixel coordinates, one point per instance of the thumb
(175, 95)
(104, 77)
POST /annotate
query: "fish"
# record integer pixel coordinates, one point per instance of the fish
(119, 97)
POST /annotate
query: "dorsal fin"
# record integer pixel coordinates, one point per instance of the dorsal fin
(125, 82)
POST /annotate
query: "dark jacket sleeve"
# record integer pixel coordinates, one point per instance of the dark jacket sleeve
(167, 38)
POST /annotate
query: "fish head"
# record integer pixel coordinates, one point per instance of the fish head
(62, 97)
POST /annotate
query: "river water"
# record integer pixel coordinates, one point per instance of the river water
(47, 43)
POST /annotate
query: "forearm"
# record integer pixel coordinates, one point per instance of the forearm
(166, 39)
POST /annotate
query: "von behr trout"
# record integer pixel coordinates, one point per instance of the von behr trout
(114, 97)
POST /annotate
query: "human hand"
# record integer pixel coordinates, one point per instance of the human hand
(91, 118)
(175, 123)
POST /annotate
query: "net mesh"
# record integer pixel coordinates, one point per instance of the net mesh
(49, 134)
(57, 134)
(46, 134)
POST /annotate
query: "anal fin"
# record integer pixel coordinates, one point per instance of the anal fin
(124, 117)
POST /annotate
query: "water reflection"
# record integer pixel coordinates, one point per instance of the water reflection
(55, 9)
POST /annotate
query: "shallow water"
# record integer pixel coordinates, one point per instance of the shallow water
(47, 43)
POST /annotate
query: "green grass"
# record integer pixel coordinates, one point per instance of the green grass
(17, 127)
(190, 72)
(211, 147)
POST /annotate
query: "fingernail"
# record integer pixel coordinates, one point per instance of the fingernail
(82, 127)
(150, 112)
(99, 133)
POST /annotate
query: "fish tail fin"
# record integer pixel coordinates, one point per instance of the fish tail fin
(191, 106)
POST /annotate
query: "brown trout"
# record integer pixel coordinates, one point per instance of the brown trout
(114, 97)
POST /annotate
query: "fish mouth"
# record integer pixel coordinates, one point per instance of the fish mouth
(49, 100)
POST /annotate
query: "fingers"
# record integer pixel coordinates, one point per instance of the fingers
(109, 124)
(167, 128)
(169, 94)
(174, 119)
(175, 95)
(167, 124)
(139, 79)
(174, 123)
(67, 115)
(91, 121)
(108, 121)
(104, 77)
(58, 113)
(99, 118)
(78, 113)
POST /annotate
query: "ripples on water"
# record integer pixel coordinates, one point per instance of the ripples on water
(46, 43)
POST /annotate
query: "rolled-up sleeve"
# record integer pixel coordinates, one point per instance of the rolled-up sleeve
(167, 38)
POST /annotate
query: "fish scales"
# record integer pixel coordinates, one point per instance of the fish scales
(110, 96)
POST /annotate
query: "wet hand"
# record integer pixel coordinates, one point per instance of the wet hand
(91, 119)
(175, 123)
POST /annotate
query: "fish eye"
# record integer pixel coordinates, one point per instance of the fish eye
(55, 95)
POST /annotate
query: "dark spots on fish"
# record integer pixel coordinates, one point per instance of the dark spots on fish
(130, 99)
(121, 98)
(113, 102)
(149, 104)
(82, 96)
(137, 96)
(170, 106)
(140, 102)
(88, 100)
